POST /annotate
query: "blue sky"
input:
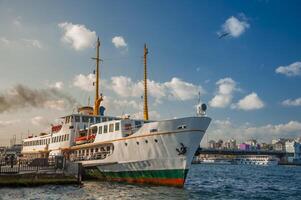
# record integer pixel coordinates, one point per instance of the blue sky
(185, 56)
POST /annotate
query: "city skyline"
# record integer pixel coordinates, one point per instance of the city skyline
(242, 57)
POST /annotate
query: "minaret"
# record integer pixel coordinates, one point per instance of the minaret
(97, 98)
(145, 110)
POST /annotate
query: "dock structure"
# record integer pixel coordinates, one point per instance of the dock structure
(34, 172)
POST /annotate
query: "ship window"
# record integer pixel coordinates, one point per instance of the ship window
(85, 119)
(100, 130)
(108, 148)
(77, 118)
(137, 124)
(91, 120)
(91, 150)
(111, 127)
(96, 150)
(146, 141)
(117, 126)
(67, 120)
(67, 136)
(104, 119)
(156, 140)
(182, 127)
(137, 143)
(97, 119)
(105, 128)
(153, 130)
(125, 144)
(94, 129)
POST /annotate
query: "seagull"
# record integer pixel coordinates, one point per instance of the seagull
(223, 35)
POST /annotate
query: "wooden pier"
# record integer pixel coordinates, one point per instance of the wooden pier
(39, 171)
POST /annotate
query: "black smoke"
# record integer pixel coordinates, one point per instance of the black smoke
(21, 96)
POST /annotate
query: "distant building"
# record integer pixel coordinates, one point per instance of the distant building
(294, 147)
(253, 144)
(244, 147)
(14, 149)
(265, 146)
(211, 144)
(219, 144)
(279, 146)
(2, 151)
(230, 144)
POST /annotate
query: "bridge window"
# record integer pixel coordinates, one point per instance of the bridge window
(111, 127)
(85, 119)
(97, 119)
(117, 126)
(91, 120)
(137, 124)
(94, 129)
(77, 118)
(105, 128)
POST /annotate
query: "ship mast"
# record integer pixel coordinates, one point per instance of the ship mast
(98, 98)
(145, 110)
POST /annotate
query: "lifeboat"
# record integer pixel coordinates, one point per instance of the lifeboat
(56, 128)
(84, 139)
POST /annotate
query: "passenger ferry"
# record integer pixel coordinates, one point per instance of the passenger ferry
(124, 149)
(256, 160)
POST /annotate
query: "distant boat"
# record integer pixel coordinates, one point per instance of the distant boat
(215, 161)
(264, 160)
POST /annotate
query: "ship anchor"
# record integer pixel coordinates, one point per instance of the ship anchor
(182, 149)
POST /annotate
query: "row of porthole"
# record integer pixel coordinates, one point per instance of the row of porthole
(146, 141)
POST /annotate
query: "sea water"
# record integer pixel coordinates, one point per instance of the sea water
(204, 182)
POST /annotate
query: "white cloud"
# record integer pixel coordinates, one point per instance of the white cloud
(21, 43)
(181, 90)
(225, 129)
(175, 89)
(17, 21)
(153, 115)
(292, 102)
(8, 122)
(84, 82)
(77, 35)
(121, 106)
(39, 121)
(125, 87)
(235, 27)
(249, 102)
(293, 69)
(59, 85)
(223, 98)
(5, 41)
(119, 42)
(32, 43)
